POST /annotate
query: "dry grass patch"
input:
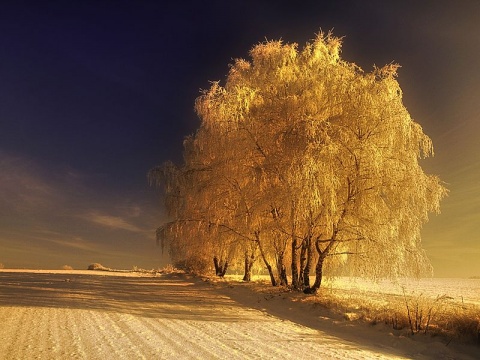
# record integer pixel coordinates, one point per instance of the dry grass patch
(408, 314)
(167, 269)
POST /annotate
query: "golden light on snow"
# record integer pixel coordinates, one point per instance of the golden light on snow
(89, 314)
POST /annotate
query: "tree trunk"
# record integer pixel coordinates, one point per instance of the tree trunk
(262, 253)
(220, 269)
(224, 269)
(272, 276)
(248, 267)
(282, 270)
(308, 265)
(217, 266)
(318, 277)
(283, 276)
(303, 261)
(294, 265)
(322, 255)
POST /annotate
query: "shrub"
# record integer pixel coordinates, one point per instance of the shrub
(462, 322)
(97, 266)
(194, 265)
(168, 269)
(67, 267)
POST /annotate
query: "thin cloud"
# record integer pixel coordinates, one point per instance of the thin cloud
(54, 215)
(22, 188)
(68, 241)
(112, 222)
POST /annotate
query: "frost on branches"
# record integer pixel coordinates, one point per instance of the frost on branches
(303, 163)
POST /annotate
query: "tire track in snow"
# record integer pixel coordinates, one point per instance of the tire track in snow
(21, 341)
(164, 338)
(238, 338)
(72, 338)
(133, 345)
(156, 344)
(44, 324)
(106, 344)
(11, 319)
(180, 332)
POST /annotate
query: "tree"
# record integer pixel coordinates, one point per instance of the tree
(211, 205)
(307, 152)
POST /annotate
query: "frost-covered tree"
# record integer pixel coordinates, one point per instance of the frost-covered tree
(312, 160)
(211, 205)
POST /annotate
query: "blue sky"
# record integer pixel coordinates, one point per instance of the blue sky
(95, 93)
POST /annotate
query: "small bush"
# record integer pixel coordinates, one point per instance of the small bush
(141, 270)
(1, 266)
(194, 265)
(168, 269)
(97, 266)
(462, 322)
(67, 267)
(422, 311)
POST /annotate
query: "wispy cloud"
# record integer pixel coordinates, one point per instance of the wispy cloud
(22, 188)
(51, 215)
(112, 222)
(62, 240)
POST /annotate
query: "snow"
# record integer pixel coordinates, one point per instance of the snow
(459, 290)
(103, 315)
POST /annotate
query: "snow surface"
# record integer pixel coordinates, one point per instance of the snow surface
(98, 315)
(465, 291)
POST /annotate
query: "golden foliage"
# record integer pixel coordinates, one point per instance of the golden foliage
(331, 148)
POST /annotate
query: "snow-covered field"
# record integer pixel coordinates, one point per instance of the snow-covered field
(459, 290)
(98, 315)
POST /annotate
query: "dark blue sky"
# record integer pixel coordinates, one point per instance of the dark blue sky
(95, 93)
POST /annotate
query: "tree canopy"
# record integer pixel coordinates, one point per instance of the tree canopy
(302, 158)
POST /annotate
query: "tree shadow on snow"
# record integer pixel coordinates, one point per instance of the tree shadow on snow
(165, 296)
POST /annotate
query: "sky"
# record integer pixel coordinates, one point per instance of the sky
(93, 94)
